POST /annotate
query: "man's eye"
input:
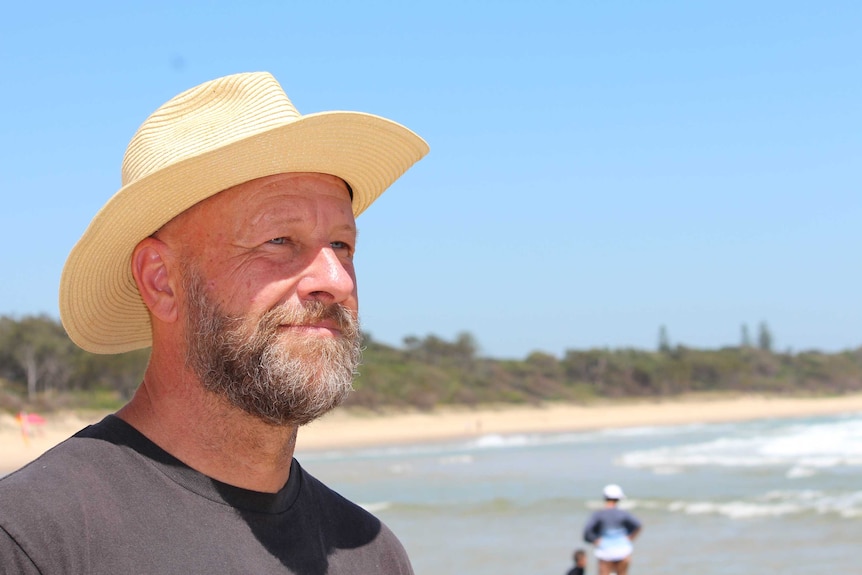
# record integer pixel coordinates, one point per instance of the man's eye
(278, 241)
(341, 246)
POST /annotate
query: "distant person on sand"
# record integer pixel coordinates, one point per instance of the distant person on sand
(229, 250)
(580, 558)
(612, 530)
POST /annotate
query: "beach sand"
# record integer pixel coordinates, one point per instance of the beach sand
(352, 428)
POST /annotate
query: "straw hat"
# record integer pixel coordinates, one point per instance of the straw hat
(205, 140)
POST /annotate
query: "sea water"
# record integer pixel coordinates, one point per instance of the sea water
(767, 496)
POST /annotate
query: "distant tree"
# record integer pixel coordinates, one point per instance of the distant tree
(466, 346)
(663, 340)
(745, 341)
(10, 369)
(764, 337)
(42, 351)
(120, 372)
(435, 349)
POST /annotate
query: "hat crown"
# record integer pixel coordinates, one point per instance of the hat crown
(205, 118)
(613, 491)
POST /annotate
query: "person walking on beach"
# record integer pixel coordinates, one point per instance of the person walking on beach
(612, 531)
(229, 251)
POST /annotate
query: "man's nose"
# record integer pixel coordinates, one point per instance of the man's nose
(327, 278)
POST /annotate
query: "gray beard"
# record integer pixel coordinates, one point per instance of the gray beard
(280, 378)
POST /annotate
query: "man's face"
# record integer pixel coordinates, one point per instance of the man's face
(269, 295)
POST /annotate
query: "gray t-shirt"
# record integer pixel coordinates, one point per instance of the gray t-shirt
(110, 501)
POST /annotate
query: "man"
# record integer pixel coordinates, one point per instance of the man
(228, 250)
(612, 530)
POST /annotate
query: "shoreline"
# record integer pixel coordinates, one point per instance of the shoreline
(352, 429)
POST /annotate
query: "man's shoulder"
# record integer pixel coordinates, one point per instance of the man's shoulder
(85, 462)
(332, 502)
(350, 525)
(45, 504)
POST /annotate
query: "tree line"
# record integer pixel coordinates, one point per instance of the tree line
(41, 367)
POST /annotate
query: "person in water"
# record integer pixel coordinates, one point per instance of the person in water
(580, 558)
(612, 531)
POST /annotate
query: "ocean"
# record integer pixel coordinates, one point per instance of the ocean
(767, 496)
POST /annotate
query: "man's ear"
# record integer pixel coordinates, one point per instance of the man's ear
(155, 278)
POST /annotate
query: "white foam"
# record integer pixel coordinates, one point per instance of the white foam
(400, 468)
(777, 504)
(737, 509)
(800, 471)
(649, 431)
(460, 459)
(667, 470)
(496, 441)
(808, 446)
(376, 507)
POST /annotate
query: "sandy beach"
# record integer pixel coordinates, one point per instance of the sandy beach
(351, 428)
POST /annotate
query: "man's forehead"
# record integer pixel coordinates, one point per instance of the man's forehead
(279, 188)
(299, 183)
(293, 180)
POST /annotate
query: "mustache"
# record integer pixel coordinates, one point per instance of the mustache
(310, 313)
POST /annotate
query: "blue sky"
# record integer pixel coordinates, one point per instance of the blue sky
(597, 169)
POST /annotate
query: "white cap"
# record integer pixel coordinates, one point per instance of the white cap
(614, 491)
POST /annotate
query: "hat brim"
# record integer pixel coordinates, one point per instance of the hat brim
(100, 306)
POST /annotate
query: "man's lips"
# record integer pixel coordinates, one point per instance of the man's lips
(322, 328)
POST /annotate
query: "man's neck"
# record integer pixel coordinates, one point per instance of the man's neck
(209, 435)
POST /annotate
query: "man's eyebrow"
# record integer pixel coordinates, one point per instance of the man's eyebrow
(288, 219)
(348, 227)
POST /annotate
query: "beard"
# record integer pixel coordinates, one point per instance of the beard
(276, 375)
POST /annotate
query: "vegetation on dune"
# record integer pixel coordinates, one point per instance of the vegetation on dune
(40, 368)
